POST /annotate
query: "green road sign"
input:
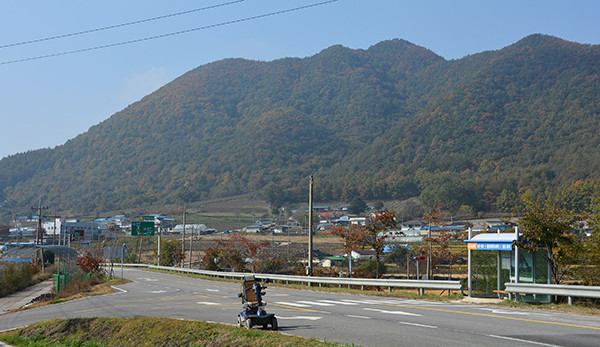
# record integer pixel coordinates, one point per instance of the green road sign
(142, 228)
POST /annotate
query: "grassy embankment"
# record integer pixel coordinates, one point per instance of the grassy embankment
(141, 332)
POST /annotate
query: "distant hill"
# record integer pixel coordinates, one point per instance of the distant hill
(390, 122)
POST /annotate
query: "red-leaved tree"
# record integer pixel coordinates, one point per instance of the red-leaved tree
(352, 237)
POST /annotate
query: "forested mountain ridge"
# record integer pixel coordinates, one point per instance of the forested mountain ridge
(392, 121)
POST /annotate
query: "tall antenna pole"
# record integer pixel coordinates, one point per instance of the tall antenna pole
(310, 226)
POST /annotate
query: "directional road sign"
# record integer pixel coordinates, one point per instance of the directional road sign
(142, 228)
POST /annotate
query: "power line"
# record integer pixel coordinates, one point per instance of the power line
(117, 25)
(6, 199)
(167, 35)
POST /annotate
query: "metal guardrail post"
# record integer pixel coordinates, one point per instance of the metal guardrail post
(554, 289)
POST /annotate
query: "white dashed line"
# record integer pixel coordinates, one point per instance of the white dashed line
(300, 317)
(360, 317)
(419, 325)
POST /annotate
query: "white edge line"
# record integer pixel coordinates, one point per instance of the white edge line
(355, 316)
(10, 329)
(520, 340)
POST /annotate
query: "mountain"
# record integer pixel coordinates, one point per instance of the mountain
(393, 121)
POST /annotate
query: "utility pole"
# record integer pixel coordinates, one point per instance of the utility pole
(39, 236)
(310, 226)
(159, 242)
(429, 258)
(54, 232)
(191, 244)
(183, 238)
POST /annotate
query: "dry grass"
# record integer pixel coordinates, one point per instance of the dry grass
(142, 332)
(79, 290)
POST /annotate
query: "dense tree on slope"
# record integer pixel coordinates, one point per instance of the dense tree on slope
(548, 227)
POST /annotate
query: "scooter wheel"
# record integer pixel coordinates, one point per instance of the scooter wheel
(274, 324)
(249, 324)
(240, 321)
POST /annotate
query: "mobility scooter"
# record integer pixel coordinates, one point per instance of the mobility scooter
(254, 312)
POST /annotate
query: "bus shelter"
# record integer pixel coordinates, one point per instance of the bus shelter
(494, 259)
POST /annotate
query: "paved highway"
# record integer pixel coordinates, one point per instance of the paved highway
(358, 319)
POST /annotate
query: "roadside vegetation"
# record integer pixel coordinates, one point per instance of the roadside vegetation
(97, 332)
(18, 276)
(84, 280)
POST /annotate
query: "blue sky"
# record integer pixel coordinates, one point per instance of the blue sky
(45, 102)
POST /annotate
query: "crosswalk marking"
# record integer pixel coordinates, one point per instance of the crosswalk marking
(338, 302)
(368, 302)
(392, 312)
(291, 304)
(315, 303)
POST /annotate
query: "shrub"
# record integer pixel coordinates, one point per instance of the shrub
(14, 277)
(89, 263)
(369, 268)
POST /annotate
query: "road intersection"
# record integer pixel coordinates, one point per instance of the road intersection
(344, 318)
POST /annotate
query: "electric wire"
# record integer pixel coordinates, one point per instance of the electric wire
(117, 25)
(5, 200)
(246, 19)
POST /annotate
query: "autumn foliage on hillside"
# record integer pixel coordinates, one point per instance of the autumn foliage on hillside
(394, 121)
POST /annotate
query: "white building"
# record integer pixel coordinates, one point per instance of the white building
(178, 229)
(72, 230)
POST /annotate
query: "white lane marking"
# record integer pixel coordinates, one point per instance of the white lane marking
(300, 317)
(419, 325)
(158, 291)
(117, 288)
(148, 279)
(392, 312)
(290, 304)
(500, 311)
(212, 290)
(361, 317)
(520, 340)
(370, 302)
(315, 303)
(338, 302)
(207, 303)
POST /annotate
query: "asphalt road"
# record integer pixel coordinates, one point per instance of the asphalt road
(351, 319)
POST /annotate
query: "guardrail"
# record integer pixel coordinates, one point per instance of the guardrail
(554, 289)
(421, 285)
